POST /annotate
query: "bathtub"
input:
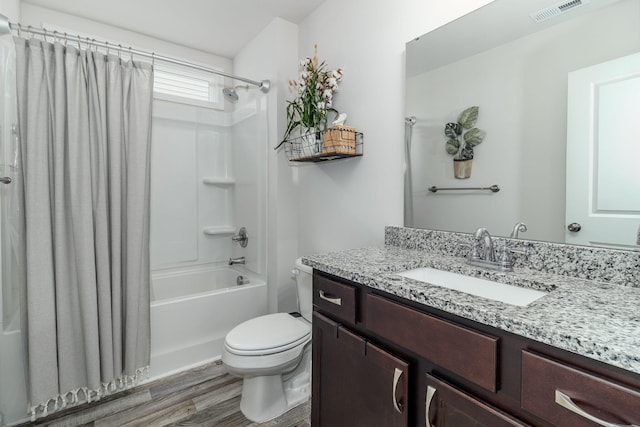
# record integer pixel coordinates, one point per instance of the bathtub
(192, 309)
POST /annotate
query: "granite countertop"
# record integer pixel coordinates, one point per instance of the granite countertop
(594, 319)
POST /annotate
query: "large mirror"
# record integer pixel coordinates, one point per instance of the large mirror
(531, 67)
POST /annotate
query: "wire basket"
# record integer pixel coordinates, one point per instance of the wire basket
(333, 143)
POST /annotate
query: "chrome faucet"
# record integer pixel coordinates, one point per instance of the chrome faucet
(483, 253)
(488, 253)
(239, 260)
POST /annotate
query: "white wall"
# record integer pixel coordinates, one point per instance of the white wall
(347, 203)
(10, 9)
(38, 16)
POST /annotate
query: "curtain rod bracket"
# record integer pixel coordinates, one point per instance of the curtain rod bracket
(5, 27)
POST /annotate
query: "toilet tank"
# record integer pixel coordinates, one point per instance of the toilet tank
(304, 282)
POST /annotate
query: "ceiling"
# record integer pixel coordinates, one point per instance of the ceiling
(220, 27)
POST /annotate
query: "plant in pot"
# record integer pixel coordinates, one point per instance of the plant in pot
(462, 138)
(308, 112)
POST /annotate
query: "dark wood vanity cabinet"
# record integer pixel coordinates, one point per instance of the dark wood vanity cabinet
(567, 395)
(355, 383)
(380, 360)
(445, 405)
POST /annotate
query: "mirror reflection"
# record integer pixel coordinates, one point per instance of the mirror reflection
(531, 68)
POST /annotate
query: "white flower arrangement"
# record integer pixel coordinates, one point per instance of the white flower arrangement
(315, 88)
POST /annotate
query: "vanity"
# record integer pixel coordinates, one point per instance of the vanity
(405, 334)
(390, 350)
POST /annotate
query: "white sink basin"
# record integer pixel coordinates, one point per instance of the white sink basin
(509, 294)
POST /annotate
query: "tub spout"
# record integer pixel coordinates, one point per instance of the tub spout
(239, 260)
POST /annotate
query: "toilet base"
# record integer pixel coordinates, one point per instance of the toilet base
(263, 398)
(269, 396)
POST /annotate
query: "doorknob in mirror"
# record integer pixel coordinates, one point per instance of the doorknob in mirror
(574, 227)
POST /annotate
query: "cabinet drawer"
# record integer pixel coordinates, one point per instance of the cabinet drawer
(567, 396)
(465, 352)
(334, 297)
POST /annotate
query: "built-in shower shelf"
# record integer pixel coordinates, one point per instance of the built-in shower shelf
(223, 229)
(219, 180)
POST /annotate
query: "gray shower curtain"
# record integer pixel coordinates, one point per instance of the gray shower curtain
(85, 127)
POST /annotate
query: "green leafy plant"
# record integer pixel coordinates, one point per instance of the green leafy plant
(315, 88)
(460, 144)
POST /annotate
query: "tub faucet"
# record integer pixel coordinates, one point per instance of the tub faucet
(239, 260)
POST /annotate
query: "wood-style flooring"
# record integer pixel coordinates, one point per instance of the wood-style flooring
(205, 396)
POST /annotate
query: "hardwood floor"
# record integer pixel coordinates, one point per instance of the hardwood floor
(205, 396)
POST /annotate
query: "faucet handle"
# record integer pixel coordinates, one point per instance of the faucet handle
(242, 237)
(473, 249)
(506, 251)
(506, 260)
(522, 251)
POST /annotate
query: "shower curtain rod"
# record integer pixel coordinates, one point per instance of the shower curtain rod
(6, 27)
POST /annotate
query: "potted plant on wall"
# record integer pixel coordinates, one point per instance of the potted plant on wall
(462, 138)
(309, 111)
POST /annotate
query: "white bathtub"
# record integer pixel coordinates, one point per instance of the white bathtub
(193, 309)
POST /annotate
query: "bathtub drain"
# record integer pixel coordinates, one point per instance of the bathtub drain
(241, 280)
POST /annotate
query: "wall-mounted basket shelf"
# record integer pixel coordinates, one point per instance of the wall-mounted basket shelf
(336, 142)
(218, 230)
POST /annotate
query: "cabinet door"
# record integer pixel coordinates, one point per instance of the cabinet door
(355, 383)
(445, 405)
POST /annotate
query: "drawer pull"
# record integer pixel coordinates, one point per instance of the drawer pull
(431, 391)
(396, 377)
(566, 402)
(330, 298)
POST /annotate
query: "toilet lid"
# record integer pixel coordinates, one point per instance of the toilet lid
(268, 334)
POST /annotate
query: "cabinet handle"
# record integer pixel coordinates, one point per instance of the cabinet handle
(396, 377)
(330, 298)
(431, 391)
(566, 402)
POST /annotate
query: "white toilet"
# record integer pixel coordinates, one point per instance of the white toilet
(273, 355)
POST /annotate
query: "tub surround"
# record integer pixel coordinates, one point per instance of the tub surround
(591, 309)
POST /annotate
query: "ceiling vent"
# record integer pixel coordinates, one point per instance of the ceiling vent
(557, 10)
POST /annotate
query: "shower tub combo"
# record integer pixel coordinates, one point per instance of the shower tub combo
(192, 309)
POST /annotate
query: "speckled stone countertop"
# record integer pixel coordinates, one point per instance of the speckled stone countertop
(595, 319)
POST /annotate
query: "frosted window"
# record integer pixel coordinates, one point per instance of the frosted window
(178, 83)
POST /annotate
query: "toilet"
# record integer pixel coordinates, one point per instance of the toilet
(272, 354)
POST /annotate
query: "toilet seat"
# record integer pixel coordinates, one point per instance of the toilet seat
(269, 334)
